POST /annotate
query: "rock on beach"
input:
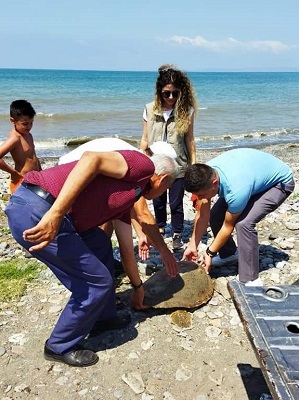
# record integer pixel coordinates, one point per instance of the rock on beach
(152, 358)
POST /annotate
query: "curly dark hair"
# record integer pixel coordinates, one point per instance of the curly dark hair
(187, 98)
(198, 177)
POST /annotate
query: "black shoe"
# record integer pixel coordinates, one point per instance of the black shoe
(75, 358)
(120, 321)
(177, 241)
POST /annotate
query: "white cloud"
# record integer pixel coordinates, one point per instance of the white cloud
(272, 46)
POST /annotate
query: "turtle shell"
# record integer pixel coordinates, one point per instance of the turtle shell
(191, 288)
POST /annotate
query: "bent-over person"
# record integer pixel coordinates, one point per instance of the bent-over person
(55, 214)
(250, 184)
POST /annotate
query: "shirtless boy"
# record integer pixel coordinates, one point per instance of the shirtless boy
(19, 144)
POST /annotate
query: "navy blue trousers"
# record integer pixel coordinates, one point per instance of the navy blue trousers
(176, 196)
(82, 263)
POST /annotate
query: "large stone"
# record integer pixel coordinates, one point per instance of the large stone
(191, 288)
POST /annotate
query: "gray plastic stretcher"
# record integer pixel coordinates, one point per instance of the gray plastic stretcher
(270, 316)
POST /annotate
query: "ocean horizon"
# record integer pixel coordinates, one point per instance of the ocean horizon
(236, 109)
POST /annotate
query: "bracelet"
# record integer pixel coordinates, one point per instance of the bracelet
(210, 252)
(135, 287)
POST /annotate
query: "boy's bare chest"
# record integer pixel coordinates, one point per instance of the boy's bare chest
(25, 146)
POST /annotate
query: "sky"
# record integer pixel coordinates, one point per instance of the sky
(138, 35)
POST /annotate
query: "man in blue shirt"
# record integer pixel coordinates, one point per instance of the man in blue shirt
(250, 184)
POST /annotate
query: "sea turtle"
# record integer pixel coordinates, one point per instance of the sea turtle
(189, 289)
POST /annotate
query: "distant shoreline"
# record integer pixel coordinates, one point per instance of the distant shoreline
(288, 152)
(235, 109)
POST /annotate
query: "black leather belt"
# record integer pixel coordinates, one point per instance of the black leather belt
(39, 192)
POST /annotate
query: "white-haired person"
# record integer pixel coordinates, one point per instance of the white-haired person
(55, 214)
(122, 230)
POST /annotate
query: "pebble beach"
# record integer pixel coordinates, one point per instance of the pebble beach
(152, 359)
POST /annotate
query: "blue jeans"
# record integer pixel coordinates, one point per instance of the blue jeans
(176, 196)
(83, 263)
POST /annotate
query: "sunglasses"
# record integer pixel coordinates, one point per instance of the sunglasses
(166, 94)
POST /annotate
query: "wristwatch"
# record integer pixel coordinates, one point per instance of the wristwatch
(135, 287)
(210, 252)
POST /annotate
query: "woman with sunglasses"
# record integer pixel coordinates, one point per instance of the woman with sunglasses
(170, 118)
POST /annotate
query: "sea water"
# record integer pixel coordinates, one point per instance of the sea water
(236, 109)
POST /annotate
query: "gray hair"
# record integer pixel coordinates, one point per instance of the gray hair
(165, 165)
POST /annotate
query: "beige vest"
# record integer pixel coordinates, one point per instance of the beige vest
(159, 129)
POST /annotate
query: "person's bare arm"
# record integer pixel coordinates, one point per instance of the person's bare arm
(144, 139)
(123, 232)
(225, 231)
(201, 222)
(15, 175)
(6, 147)
(39, 166)
(221, 237)
(88, 167)
(150, 228)
(144, 242)
(190, 143)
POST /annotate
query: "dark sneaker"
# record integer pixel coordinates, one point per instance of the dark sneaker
(177, 241)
